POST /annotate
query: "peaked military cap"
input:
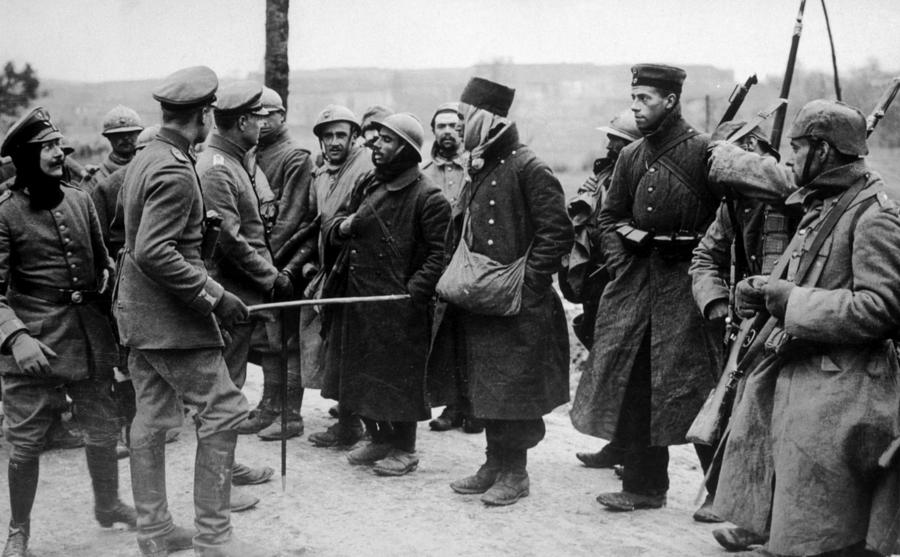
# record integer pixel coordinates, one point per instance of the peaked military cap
(665, 77)
(187, 88)
(271, 100)
(241, 97)
(487, 95)
(33, 127)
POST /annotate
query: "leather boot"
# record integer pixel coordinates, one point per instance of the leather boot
(17, 540)
(512, 483)
(23, 479)
(212, 493)
(294, 420)
(484, 478)
(157, 534)
(103, 467)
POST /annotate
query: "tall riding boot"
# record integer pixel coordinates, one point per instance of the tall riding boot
(103, 466)
(512, 484)
(23, 478)
(157, 534)
(212, 494)
(486, 475)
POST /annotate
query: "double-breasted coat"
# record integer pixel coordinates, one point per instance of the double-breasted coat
(51, 263)
(816, 418)
(517, 366)
(648, 294)
(380, 348)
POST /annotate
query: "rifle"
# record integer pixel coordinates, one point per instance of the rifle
(778, 125)
(882, 105)
(738, 94)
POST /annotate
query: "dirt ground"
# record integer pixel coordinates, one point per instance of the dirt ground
(331, 508)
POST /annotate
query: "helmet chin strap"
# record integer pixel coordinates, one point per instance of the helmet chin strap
(814, 144)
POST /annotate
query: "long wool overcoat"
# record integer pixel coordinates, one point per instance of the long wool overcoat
(379, 349)
(816, 419)
(517, 366)
(650, 294)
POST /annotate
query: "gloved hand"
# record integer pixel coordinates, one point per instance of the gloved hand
(777, 295)
(230, 310)
(717, 310)
(748, 297)
(31, 355)
(283, 289)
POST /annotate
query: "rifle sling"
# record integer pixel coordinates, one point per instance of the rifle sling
(763, 320)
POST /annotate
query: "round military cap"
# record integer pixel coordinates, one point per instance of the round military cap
(375, 115)
(33, 127)
(187, 88)
(624, 126)
(841, 125)
(271, 100)
(487, 95)
(241, 97)
(665, 77)
(452, 107)
(408, 128)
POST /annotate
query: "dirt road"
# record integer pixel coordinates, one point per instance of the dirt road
(331, 508)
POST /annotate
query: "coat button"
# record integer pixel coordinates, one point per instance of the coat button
(491, 203)
(513, 152)
(651, 169)
(68, 254)
(802, 231)
(74, 266)
(353, 252)
(746, 210)
(650, 188)
(66, 240)
(502, 161)
(649, 209)
(490, 242)
(58, 214)
(74, 279)
(490, 221)
(795, 255)
(494, 182)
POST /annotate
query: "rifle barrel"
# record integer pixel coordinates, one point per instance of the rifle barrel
(778, 125)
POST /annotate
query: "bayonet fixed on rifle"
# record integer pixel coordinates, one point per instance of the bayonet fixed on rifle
(738, 94)
(778, 125)
(882, 105)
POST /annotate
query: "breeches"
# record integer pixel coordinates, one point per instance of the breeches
(30, 404)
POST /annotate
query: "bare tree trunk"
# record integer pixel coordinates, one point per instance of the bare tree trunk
(277, 69)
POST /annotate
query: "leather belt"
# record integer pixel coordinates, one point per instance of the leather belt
(61, 296)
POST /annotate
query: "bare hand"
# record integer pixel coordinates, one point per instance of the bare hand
(32, 355)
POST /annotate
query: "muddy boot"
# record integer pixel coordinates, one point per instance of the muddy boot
(512, 483)
(157, 534)
(607, 457)
(346, 433)
(212, 495)
(484, 478)
(241, 474)
(23, 479)
(294, 420)
(103, 467)
(260, 418)
(17, 540)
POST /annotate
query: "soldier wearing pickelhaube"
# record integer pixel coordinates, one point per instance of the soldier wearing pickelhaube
(170, 314)
(121, 127)
(654, 358)
(817, 412)
(55, 337)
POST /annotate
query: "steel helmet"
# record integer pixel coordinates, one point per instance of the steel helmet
(623, 126)
(271, 100)
(374, 115)
(335, 113)
(121, 119)
(841, 125)
(408, 128)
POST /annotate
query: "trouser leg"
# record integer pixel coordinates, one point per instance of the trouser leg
(98, 414)
(404, 436)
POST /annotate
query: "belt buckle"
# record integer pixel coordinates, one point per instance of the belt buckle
(77, 297)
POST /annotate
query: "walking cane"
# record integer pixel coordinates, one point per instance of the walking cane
(283, 306)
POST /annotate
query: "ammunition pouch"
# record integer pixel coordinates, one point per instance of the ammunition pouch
(674, 247)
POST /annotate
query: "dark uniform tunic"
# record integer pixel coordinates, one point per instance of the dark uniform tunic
(165, 296)
(518, 366)
(381, 348)
(51, 262)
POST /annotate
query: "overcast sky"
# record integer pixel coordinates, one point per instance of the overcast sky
(99, 40)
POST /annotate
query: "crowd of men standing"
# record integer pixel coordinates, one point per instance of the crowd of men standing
(219, 209)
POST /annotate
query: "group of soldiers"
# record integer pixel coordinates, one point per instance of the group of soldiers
(451, 263)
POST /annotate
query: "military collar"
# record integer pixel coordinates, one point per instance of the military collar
(672, 125)
(274, 137)
(401, 181)
(828, 184)
(505, 142)
(458, 160)
(227, 146)
(177, 140)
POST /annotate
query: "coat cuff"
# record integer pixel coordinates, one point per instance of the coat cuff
(9, 329)
(208, 297)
